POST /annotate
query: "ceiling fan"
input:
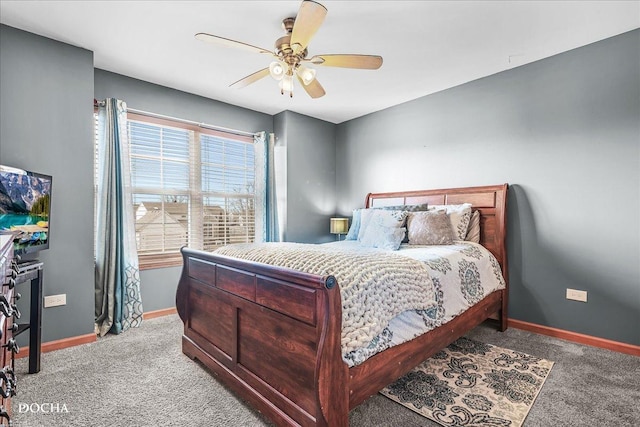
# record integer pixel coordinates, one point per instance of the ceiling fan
(290, 53)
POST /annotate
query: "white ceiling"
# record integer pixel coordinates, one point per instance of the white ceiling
(427, 46)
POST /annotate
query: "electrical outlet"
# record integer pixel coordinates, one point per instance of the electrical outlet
(577, 295)
(55, 300)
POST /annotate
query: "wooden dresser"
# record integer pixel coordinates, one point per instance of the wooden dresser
(7, 311)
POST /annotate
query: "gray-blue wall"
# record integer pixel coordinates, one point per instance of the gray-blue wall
(311, 188)
(565, 133)
(46, 126)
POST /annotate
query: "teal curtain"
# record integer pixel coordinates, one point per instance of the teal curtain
(269, 191)
(118, 305)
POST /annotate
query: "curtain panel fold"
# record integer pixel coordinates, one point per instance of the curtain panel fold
(268, 215)
(118, 305)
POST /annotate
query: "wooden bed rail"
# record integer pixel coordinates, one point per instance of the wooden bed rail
(271, 334)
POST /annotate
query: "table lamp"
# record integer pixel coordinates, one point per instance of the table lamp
(339, 226)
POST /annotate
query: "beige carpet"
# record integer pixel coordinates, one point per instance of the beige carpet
(473, 384)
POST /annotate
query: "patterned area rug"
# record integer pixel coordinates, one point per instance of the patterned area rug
(473, 384)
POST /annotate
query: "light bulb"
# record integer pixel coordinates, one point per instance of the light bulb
(276, 69)
(306, 74)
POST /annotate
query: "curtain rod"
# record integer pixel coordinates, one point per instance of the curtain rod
(189, 122)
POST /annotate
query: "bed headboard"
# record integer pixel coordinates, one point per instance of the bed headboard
(490, 200)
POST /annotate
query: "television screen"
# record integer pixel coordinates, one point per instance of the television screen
(25, 208)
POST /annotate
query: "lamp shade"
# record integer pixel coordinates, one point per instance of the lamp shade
(286, 84)
(306, 74)
(276, 69)
(339, 225)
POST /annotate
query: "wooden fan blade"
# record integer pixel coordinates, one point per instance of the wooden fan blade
(308, 20)
(314, 89)
(366, 62)
(251, 78)
(210, 38)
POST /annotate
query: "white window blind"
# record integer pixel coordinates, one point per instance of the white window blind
(228, 191)
(191, 187)
(160, 171)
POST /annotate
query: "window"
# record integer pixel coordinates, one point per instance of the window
(191, 186)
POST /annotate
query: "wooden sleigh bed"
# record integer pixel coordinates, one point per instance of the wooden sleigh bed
(273, 335)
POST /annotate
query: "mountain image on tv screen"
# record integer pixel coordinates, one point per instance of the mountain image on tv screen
(25, 206)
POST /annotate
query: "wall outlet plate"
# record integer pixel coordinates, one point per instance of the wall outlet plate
(576, 295)
(55, 300)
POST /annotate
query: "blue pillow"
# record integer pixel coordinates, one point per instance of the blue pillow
(354, 230)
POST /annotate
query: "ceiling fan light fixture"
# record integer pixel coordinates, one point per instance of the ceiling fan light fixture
(277, 70)
(306, 74)
(291, 52)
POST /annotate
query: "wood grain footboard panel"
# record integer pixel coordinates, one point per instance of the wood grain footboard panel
(268, 333)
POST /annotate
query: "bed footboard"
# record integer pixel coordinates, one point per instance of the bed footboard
(270, 334)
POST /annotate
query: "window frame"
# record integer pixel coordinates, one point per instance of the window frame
(174, 259)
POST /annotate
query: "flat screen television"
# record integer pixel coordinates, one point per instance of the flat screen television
(25, 208)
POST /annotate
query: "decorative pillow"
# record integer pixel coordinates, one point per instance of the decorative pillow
(460, 216)
(408, 208)
(473, 235)
(381, 217)
(380, 236)
(430, 228)
(355, 221)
